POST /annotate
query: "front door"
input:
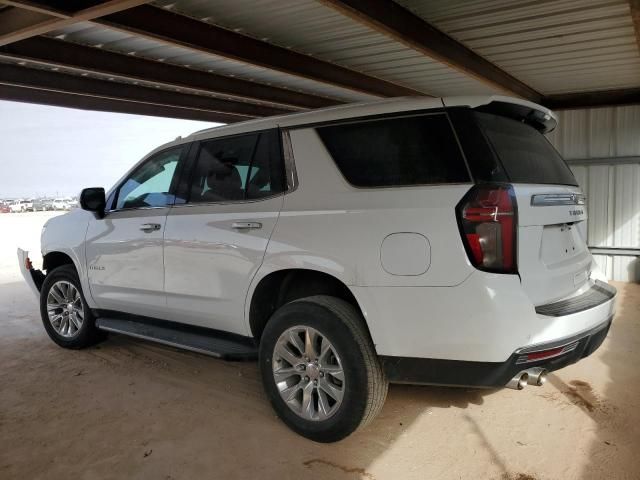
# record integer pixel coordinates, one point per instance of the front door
(215, 243)
(124, 250)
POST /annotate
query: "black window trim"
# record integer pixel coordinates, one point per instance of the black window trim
(192, 161)
(392, 116)
(172, 188)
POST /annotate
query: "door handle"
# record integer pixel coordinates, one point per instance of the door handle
(150, 227)
(246, 225)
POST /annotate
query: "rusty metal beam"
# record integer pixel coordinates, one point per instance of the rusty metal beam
(27, 19)
(73, 84)
(58, 53)
(60, 99)
(174, 29)
(395, 21)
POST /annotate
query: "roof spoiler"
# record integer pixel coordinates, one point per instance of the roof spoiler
(539, 117)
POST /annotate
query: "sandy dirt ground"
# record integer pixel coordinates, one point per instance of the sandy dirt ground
(130, 409)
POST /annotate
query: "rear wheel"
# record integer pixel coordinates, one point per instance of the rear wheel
(319, 368)
(65, 314)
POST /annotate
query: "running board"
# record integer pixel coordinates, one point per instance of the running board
(209, 342)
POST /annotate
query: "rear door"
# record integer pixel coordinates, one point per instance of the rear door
(215, 243)
(553, 260)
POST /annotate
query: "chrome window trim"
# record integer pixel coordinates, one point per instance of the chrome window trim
(133, 209)
(555, 199)
(227, 202)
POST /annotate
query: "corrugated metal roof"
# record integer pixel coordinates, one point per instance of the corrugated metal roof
(309, 27)
(553, 46)
(117, 41)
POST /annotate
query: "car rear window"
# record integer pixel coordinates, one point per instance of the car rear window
(525, 153)
(416, 150)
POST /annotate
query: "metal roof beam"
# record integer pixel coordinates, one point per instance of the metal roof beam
(603, 98)
(27, 19)
(67, 100)
(61, 82)
(174, 29)
(58, 53)
(395, 21)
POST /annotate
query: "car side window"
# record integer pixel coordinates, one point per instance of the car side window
(238, 168)
(150, 184)
(406, 151)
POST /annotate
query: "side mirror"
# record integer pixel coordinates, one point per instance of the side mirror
(93, 200)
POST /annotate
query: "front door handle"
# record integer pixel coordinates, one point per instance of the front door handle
(150, 227)
(246, 225)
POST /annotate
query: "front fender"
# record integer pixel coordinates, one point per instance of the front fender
(66, 234)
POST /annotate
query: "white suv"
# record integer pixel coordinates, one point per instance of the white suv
(414, 240)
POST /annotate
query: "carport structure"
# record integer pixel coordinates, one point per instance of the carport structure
(228, 60)
(231, 60)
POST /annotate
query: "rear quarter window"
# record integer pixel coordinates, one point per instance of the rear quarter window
(416, 150)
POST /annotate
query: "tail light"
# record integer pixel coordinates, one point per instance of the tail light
(487, 220)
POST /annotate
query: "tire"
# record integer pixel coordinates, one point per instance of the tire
(75, 338)
(363, 386)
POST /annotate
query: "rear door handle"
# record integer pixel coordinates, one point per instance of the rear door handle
(150, 227)
(246, 225)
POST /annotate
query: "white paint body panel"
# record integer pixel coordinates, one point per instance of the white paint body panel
(418, 301)
(553, 258)
(209, 264)
(125, 264)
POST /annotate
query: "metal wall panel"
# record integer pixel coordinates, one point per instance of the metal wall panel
(612, 187)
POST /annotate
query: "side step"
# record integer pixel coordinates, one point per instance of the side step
(209, 342)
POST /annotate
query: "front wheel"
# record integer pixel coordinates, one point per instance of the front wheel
(320, 369)
(65, 314)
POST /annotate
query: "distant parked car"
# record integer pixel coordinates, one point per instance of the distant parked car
(19, 206)
(60, 204)
(4, 208)
(42, 205)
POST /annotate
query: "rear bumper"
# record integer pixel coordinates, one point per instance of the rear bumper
(484, 319)
(427, 371)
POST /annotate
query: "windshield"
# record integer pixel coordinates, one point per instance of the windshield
(526, 155)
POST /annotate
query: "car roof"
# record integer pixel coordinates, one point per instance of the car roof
(362, 109)
(347, 111)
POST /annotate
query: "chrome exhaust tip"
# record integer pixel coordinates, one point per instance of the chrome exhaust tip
(519, 381)
(537, 376)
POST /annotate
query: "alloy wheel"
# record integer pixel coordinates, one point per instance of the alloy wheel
(65, 309)
(308, 373)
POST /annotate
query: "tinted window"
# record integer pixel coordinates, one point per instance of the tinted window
(238, 168)
(150, 184)
(401, 151)
(526, 155)
(483, 163)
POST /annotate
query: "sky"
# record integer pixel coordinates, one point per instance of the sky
(52, 151)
